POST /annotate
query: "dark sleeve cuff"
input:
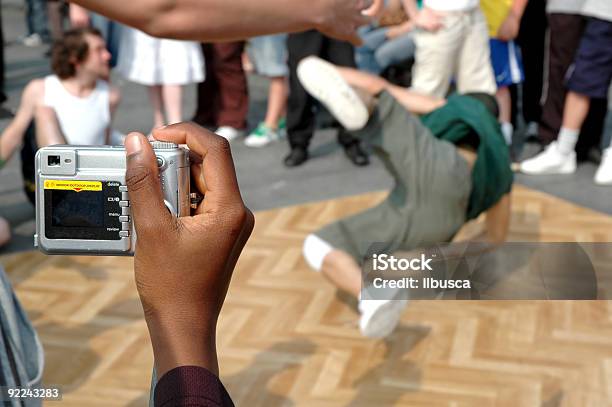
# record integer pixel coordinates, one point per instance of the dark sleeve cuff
(191, 386)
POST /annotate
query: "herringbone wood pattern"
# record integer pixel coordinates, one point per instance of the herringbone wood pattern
(286, 337)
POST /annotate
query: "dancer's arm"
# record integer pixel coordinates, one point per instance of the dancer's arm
(12, 137)
(498, 221)
(213, 20)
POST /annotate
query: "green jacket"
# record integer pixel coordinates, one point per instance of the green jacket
(465, 119)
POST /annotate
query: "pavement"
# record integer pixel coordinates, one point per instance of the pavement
(264, 181)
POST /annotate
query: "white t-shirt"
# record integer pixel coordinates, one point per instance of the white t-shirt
(451, 5)
(83, 121)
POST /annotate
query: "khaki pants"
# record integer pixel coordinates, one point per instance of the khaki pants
(459, 51)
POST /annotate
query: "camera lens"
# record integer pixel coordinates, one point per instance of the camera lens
(53, 160)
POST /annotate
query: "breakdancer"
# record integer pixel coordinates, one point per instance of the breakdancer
(449, 165)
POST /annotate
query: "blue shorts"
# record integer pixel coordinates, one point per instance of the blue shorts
(269, 55)
(591, 72)
(507, 62)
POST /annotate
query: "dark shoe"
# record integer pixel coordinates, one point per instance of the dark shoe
(296, 157)
(357, 155)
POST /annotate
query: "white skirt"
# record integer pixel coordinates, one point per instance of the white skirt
(153, 61)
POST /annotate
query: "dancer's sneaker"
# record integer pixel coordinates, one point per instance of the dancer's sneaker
(323, 81)
(550, 161)
(603, 176)
(379, 318)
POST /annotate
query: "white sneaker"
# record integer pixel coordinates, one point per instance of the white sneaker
(550, 161)
(323, 81)
(229, 133)
(603, 176)
(380, 317)
(33, 40)
(261, 136)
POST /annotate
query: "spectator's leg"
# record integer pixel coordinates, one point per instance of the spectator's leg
(207, 110)
(373, 38)
(436, 57)
(565, 32)
(173, 99)
(300, 114)
(36, 18)
(55, 10)
(396, 50)
(341, 53)
(532, 41)
(156, 98)
(474, 70)
(504, 101)
(233, 89)
(277, 101)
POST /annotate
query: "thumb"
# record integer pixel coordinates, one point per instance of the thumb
(149, 212)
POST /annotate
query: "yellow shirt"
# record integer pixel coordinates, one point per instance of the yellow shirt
(495, 12)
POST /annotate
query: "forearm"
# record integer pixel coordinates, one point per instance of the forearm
(410, 7)
(182, 341)
(9, 142)
(210, 20)
(518, 8)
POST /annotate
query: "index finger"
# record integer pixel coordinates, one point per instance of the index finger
(217, 164)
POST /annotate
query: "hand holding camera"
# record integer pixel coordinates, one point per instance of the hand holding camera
(183, 265)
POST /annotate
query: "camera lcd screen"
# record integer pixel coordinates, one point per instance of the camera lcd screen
(83, 209)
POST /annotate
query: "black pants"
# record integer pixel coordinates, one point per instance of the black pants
(532, 40)
(301, 106)
(565, 34)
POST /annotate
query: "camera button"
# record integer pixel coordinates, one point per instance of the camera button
(124, 218)
(125, 225)
(124, 204)
(125, 196)
(124, 233)
(160, 161)
(122, 188)
(125, 211)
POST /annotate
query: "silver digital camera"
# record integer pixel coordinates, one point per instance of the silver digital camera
(83, 203)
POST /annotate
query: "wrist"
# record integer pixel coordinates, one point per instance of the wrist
(182, 340)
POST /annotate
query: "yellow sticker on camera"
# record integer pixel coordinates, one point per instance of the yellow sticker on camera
(77, 186)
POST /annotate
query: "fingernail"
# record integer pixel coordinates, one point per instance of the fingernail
(133, 144)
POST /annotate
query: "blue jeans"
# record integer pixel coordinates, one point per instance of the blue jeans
(21, 354)
(36, 18)
(378, 52)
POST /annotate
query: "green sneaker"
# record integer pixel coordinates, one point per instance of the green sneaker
(262, 136)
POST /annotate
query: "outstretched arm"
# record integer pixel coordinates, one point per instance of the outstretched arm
(12, 137)
(498, 221)
(215, 20)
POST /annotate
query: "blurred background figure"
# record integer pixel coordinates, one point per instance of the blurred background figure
(387, 41)
(269, 56)
(74, 105)
(588, 79)
(452, 43)
(36, 23)
(504, 20)
(164, 66)
(111, 30)
(301, 106)
(223, 98)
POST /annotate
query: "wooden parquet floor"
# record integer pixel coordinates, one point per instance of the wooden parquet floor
(286, 337)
